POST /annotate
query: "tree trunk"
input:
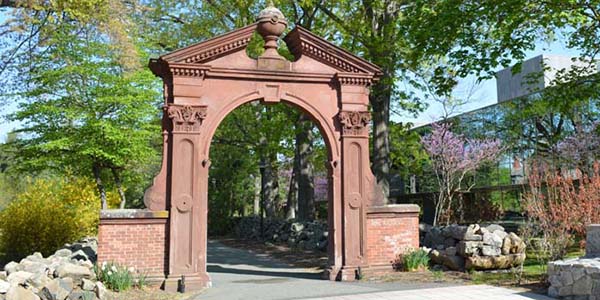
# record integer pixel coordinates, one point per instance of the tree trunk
(257, 186)
(117, 178)
(96, 170)
(270, 188)
(305, 174)
(292, 198)
(380, 101)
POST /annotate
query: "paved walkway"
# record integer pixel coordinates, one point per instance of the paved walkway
(242, 274)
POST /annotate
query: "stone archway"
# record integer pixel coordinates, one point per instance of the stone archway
(206, 81)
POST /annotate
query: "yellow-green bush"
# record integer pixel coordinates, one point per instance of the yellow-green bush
(48, 214)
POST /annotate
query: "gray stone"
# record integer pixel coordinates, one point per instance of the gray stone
(18, 278)
(450, 251)
(565, 291)
(297, 227)
(554, 281)
(501, 234)
(456, 263)
(566, 279)
(34, 267)
(100, 290)
(488, 250)
(578, 273)
(87, 285)
(4, 286)
(583, 286)
(38, 280)
(57, 289)
(449, 242)
(494, 227)
(471, 234)
(3, 275)
(592, 241)
(469, 248)
(80, 255)
(18, 292)
(74, 271)
(82, 295)
(492, 239)
(553, 292)
(12, 267)
(63, 253)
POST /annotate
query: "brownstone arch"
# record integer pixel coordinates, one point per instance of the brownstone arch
(203, 83)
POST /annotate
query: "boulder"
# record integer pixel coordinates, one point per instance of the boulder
(82, 295)
(455, 262)
(4, 286)
(3, 275)
(490, 238)
(79, 255)
(517, 244)
(297, 227)
(63, 253)
(18, 278)
(74, 271)
(38, 280)
(57, 289)
(506, 245)
(493, 262)
(488, 250)
(494, 227)
(450, 251)
(449, 242)
(469, 248)
(471, 233)
(87, 285)
(12, 267)
(34, 266)
(100, 290)
(18, 292)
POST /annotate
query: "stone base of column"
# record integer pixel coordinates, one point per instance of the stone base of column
(173, 283)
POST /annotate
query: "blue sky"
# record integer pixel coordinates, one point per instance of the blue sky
(485, 92)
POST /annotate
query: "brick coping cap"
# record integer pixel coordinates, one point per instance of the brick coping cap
(395, 208)
(133, 214)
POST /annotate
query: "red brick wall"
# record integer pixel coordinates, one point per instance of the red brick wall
(390, 232)
(138, 243)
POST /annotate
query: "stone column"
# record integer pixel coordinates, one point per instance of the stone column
(355, 191)
(187, 207)
(592, 241)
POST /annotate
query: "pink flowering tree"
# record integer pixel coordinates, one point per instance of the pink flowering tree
(581, 149)
(453, 158)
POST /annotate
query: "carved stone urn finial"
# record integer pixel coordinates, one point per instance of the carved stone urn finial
(271, 24)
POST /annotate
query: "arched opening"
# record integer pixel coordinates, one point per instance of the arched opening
(268, 192)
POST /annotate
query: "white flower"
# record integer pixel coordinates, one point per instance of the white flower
(103, 265)
(131, 269)
(113, 268)
(109, 273)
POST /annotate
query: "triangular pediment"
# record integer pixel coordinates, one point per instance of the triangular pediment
(301, 42)
(214, 48)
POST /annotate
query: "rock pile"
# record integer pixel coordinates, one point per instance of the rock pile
(473, 247)
(67, 274)
(308, 235)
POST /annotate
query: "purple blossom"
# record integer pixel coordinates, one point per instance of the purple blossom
(453, 157)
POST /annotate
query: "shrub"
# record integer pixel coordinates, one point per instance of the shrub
(117, 278)
(415, 260)
(560, 205)
(48, 214)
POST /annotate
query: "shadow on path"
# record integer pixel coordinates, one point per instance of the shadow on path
(241, 271)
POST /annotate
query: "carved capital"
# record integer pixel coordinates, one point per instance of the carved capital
(186, 118)
(355, 122)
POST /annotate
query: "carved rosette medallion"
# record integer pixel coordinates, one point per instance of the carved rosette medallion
(186, 118)
(355, 122)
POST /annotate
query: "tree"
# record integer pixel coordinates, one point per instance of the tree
(453, 158)
(85, 111)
